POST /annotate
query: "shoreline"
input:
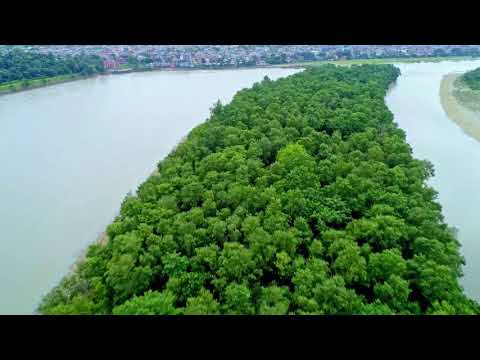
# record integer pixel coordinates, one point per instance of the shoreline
(378, 61)
(299, 65)
(52, 81)
(101, 239)
(466, 118)
(84, 77)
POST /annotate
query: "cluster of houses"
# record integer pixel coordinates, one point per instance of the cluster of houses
(191, 56)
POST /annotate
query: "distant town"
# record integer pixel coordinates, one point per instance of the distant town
(126, 57)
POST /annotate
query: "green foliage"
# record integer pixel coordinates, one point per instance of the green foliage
(79, 305)
(472, 79)
(237, 300)
(203, 304)
(384, 264)
(274, 301)
(18, 65)
(150, 303)
(301, 196)
(376, 308)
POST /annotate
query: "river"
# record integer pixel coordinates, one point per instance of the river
(71, 152)
(415, 103)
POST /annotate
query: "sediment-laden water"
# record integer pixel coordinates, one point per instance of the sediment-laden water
(449, 141)
(71, 152)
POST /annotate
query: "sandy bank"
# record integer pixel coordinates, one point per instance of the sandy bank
(457, 109)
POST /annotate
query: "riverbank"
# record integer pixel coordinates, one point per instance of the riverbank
(461, 105)
(378, 61)
(18, 86)
(465, 94)
(21, 85)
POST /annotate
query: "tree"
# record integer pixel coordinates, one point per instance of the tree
(235, 262)
(125, 278)
(350, 264)
(216, 109)
(19, 65)
(274, 301)
(150, 303)
(203, 304)
(393, 292)
(79, 305)
(385, 264)
(238, 300)
(376, 308)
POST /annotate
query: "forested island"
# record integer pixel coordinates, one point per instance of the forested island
(301, 196)
(21, 70)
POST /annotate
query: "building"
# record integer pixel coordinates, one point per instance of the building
(110, 64)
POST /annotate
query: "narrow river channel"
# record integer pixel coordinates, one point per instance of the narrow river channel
(415, 103)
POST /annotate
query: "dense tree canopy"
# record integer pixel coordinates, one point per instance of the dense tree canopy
(301, 196)
(472, 79)
(21, 65)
